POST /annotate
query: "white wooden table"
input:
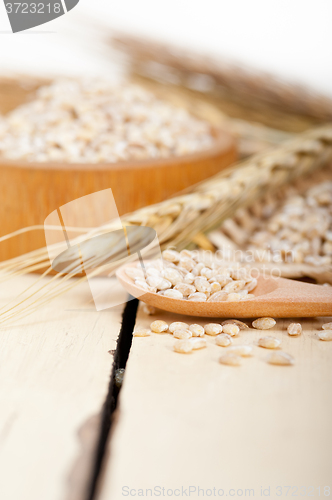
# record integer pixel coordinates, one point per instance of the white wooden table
(181, 421)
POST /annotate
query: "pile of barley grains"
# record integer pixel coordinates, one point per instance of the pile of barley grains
(183, 275)
(301, 230)
(93, 121)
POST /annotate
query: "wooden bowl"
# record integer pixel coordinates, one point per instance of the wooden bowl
(30, 191)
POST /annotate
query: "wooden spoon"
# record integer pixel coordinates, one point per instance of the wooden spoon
(276, 297)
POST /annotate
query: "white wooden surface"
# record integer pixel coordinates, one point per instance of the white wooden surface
(186, 420)
(54, 373)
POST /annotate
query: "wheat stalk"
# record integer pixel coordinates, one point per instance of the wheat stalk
(199, 209)
(242, 93)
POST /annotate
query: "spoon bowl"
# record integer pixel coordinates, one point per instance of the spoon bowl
(276, 297)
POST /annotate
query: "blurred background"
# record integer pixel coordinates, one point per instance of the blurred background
(292, 40)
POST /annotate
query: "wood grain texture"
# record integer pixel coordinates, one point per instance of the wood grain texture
(55, 368)
(186, 420)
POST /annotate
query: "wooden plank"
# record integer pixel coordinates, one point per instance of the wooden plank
(186, 420)
(54, 374)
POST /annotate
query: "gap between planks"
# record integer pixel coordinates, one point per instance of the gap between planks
(55, 368)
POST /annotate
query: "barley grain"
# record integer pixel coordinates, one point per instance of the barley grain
(218, 297)
(240, 324)
(196, 330)
(185, 289)
(327, 326)
(202, 285)
(189, 279)
(234, 297)
(198, 343)
(269, 342)
(230, 359)
(173, 276)
(213, 329)
(215, 287)
(325, 335)
(231, 329)
(182, 334)
(234, 286)
(159, 326)
(178, 325)
(263, 323)
(197, 297)
(142, 332)
(224, 340)
(294, 329)
(280, 358)
(183, 346)
(171, 255)
(173, 294)
(241, 350)
(149, 310)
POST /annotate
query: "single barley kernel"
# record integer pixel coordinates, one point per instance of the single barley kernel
(189, 279)
(152, 271)
(172, 275)
(240, 324)
(182, 334)
(239, 274)
(142, 332)
(231, 359)
(213, 329)
(119, 376)
(198, 343)
(202, 285)
(185, 289)
(134, 273)
(197, 269)
(196, 330)
(197, 297)
(294, 329)
(280, 358)
(155, 281)
(241, 350)
(250, 285)
(222, 279)
(263, 323)
(215, 287)
(218, 297)
(325, 335)
(163, 284)
(269, 342)
(159, 326)
(206, 273)
(171, 255)
(234, 297)
(149, 310)
(231, 329)
(141, 283)
(173, 294)
(234, 286)
(187, 253)
(224, 340)
(178, 325)
(327, 326)
(183, 346)
(187, 263)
